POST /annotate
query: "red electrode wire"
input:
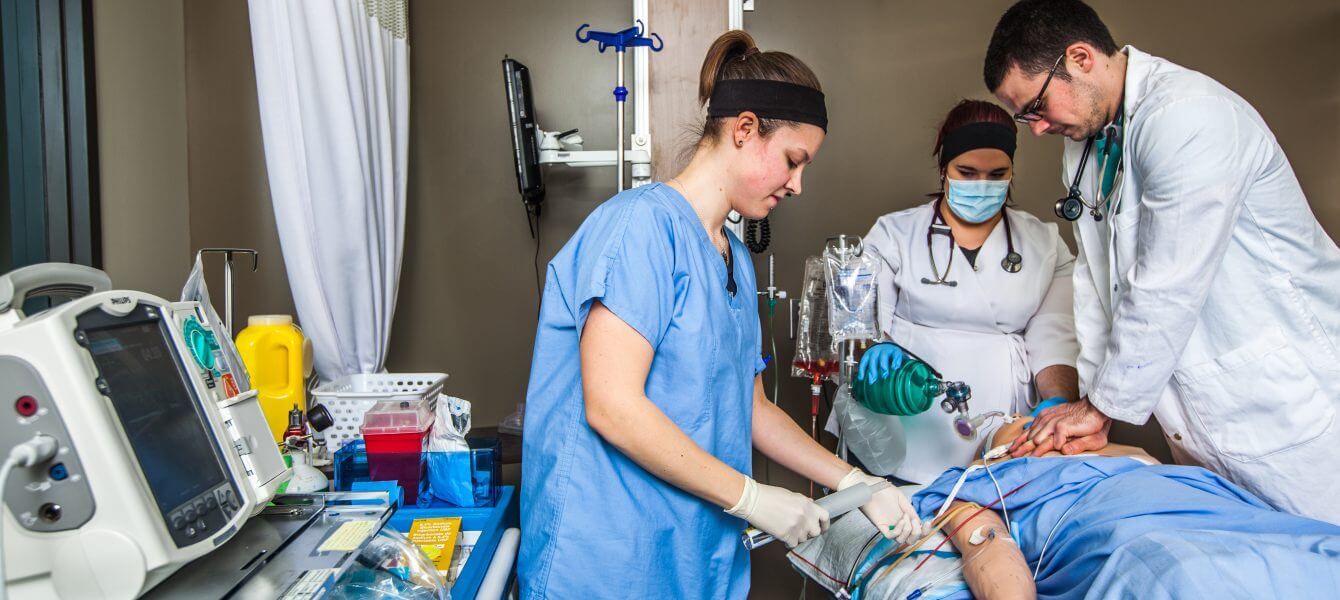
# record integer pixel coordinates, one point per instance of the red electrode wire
(965, 522)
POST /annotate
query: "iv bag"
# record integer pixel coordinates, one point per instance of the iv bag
(229, 362)
(816, 352)
(850, 275)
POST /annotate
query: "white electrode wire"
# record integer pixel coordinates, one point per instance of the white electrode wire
(39, 449)
(986, 464)
(9, 465)
(953, 492)
(1043, 553)
(999, 492)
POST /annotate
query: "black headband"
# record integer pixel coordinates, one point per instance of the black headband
(977, 135)
(769, 100)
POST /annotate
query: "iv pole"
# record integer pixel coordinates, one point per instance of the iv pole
(620, 41)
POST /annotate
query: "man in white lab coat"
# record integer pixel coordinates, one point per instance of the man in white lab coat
(1206, 292)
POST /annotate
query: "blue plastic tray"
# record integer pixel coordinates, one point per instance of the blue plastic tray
(491, 521)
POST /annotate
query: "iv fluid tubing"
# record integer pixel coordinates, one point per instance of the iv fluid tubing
(815, 389)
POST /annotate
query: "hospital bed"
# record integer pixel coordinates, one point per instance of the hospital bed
(1093, 526)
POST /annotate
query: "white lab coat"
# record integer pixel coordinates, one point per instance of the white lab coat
(994, 330)
(1216, 304)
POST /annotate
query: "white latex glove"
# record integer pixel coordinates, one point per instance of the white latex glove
(889, 510)
(790, 517)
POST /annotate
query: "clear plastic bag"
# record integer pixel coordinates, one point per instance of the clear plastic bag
(877, 440)
(450, 476)
(228, 362)
(816, 352)
(391, 568)
(850, 275)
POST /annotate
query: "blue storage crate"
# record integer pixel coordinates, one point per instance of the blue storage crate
(351, 465)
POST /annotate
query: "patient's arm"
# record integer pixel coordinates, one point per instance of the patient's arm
(993, 568)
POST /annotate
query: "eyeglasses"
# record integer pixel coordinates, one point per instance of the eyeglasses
(1030, 114)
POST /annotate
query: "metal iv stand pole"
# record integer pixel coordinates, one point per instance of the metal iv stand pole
(847, 360)
(620, 41)
(228, 276)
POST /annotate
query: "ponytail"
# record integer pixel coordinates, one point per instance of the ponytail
(734, 55)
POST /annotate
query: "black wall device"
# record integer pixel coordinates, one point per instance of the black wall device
(525, 145)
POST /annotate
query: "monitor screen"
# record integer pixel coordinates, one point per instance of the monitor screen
(525, 147)
(157, 409)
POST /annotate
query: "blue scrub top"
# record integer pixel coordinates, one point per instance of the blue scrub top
(595, 524)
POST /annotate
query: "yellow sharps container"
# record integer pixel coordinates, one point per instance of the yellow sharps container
(278, 359)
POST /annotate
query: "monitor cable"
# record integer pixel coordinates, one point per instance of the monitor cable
(32, 452)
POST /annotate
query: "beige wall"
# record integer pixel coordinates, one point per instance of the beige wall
(468, 289)
(180, 156)
(230, 196)
(140, 79)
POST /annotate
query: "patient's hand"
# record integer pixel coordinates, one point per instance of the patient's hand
(1071, 428)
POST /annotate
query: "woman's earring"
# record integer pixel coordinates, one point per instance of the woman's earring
(739, 143)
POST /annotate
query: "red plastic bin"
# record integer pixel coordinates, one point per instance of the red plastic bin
(395, 433)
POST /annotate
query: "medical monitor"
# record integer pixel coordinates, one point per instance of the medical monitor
(525, 143)
(139, 460)
(142, 376)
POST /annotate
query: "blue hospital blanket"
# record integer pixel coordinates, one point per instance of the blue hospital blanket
(1139, 531)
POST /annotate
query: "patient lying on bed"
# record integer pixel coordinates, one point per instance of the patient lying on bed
(1113, 523)
(999, 570)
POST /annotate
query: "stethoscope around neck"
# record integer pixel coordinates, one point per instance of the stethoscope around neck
(1012, 263)
(1072, 205)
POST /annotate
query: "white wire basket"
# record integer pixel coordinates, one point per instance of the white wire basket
(350, 396)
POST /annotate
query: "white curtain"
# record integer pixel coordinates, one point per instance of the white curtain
(333, 81)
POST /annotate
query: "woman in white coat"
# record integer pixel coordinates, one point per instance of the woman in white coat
(981, 292)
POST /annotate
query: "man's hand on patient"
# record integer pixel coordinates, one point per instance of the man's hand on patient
(1069, 428)
(889, 510)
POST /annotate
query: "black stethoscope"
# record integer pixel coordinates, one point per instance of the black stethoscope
(1012, 262)
(1072, 205)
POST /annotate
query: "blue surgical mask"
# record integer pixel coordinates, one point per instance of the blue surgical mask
(978, 200)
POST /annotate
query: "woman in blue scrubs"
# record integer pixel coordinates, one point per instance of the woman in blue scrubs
(645, 397)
